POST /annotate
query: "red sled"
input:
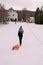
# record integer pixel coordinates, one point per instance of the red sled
(16, 47)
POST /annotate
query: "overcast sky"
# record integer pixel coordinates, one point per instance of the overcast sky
(20, 4)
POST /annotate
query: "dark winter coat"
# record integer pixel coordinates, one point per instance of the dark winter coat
(20, 33)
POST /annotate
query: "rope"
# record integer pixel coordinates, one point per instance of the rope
(36, 36)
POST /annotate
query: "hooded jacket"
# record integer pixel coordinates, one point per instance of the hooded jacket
(20, 32)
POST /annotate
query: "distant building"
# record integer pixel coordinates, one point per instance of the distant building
(31, 20)
(12, 15)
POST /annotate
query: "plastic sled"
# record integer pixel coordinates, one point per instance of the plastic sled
(16, 47)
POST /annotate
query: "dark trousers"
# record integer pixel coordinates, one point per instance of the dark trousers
(20, 40)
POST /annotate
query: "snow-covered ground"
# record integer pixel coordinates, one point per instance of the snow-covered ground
(31, 51)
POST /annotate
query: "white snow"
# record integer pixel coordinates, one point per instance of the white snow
(31, 51)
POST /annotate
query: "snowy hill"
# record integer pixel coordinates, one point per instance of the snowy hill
(31, 51)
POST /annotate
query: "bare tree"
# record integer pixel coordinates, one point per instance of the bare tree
(3, 14)
(24, 14)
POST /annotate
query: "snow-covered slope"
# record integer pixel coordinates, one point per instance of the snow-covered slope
(31, 51)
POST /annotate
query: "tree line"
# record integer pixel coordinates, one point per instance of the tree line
(23, 14)
(39, 16)
(3, 14)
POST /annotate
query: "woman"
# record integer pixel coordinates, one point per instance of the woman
(20, 34)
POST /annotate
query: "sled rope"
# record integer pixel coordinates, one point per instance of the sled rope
(36, 36)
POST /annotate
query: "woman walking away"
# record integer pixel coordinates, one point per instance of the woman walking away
(20, 34)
